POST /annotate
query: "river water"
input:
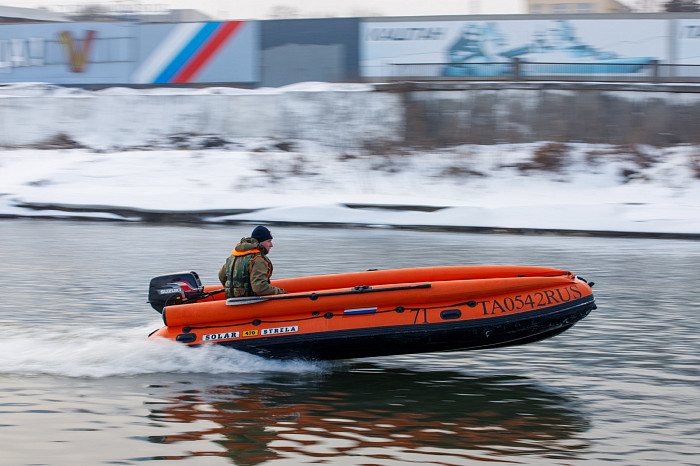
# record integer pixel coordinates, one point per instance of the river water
(79, 384)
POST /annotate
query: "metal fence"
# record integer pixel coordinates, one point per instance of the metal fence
(517, 70)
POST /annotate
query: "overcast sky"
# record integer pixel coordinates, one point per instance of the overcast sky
(264, 9)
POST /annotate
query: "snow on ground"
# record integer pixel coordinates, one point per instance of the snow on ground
(596, 188)
(149, 151)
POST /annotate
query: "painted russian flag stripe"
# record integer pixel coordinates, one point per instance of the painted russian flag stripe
(207, 52)
(164, 53)
(185, 52)
(363, 310)
(179, 61)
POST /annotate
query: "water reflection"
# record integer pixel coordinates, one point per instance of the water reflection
(373, 413)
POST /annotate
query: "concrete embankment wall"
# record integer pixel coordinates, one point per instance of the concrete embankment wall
(487, 113)
(359, 116)
(335, 115)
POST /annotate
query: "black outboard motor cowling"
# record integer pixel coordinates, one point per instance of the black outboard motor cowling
(174, 288)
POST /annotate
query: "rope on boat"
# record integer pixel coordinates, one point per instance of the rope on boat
(330, 315)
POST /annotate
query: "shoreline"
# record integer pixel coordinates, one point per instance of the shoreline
(540, 189)
(208, 218)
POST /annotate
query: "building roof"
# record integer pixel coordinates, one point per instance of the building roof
(13, 14)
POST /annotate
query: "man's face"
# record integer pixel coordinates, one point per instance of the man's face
(267, 244)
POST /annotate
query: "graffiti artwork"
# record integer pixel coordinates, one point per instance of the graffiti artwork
(77, 50)
(197, 52)
(488, 48)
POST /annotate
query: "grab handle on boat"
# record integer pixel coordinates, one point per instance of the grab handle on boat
(315, 296)
(198, 297)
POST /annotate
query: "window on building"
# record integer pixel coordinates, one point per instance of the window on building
(536, 9)
(584, 8)
(559, 8)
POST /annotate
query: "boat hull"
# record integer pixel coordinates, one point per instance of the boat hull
(379, 319)
(426, 338)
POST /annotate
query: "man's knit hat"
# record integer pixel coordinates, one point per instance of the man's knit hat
(261, 234)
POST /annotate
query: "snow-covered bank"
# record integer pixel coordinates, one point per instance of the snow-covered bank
(122, 118)
(316, 153)
(534, 186)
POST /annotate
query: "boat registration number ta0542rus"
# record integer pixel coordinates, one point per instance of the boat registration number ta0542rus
(250, 333)
(531, 301)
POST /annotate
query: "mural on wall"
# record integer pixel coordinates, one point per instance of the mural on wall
(197, 53)
(77, 50)
(339, 49)
(130, 53)
(487, 48)
(66, 53)
(553, 42)
(688, 42)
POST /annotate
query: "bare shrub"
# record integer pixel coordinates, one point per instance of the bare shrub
(628, 152)
(385, 155)
(629, 174)
(346, 156)
(634, 153)
(593, 158)
(380, 147)
(552, 156)
(59, 141)
(461, 172)
(695, 163)
(301, 167)
(390, 163)
(285, 146)
(180, 141)
(273, 176)
(210, 142)
(461, 166)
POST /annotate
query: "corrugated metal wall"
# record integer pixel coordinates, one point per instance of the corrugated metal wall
(301, 50)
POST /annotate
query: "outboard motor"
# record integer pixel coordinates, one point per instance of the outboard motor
(174, 288)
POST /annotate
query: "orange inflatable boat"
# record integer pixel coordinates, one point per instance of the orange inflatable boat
(377, 313)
